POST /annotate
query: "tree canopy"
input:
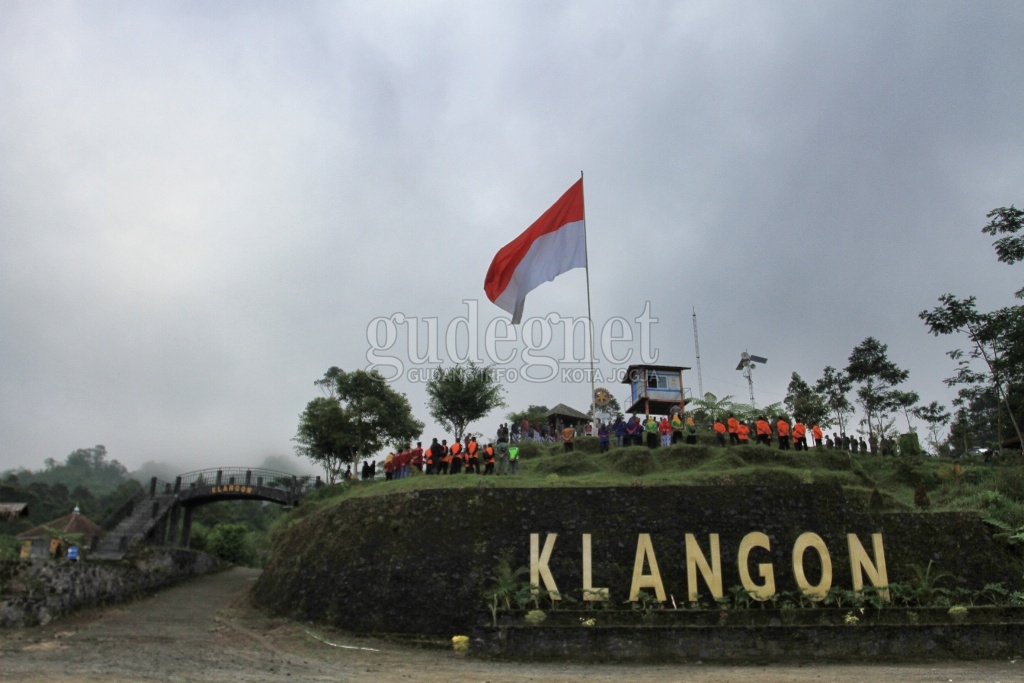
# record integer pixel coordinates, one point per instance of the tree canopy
(359, 415)
(460, 395)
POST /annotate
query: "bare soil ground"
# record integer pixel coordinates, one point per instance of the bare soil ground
(204, 630)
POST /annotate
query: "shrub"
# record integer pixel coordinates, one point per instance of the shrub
(568, 465)
(530, 449)
(636, 461)
(921, 499)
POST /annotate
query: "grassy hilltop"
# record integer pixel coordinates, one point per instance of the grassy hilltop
(884, 483)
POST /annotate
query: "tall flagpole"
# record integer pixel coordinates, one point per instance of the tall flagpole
(590, 318)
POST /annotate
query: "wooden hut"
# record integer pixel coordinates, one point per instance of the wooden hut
(566, 415)
(52, 538)
(655, 389)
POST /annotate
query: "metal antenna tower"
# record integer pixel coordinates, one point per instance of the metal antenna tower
(696, 346)
(747, 364)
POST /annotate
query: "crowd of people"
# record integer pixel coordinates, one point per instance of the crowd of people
(464, 456)
(467, 456)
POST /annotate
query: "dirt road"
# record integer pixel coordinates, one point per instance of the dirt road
(204, 630)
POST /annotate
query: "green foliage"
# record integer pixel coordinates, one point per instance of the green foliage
(10, 547)
(230, 542)
(833, 388)
(636, 460)
(87, 468)
(567, 465)
(460, 395)
(360, 415)
(804, 404)
(535, 414)
(996, 339)
(908, 445)
(1007, 221)
(877, 376)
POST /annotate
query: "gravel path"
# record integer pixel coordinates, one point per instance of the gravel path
(204, 630)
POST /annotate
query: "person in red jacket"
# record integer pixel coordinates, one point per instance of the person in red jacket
(665, 430)
(783, 428)
(417, 456)
(816, 433)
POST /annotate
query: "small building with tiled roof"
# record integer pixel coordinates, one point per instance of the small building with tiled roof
(47, 539)
(567, 415)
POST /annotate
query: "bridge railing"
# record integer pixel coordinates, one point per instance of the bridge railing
(244, 476)
(125, 509)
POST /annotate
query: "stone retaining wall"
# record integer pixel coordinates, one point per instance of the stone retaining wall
(421, 562)
(36, 591)
(753, 645)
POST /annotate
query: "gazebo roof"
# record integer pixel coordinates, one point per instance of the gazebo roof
(562, 410)
(13, 510)
(75, 523)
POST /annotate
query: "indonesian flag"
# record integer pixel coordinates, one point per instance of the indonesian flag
(554, 244)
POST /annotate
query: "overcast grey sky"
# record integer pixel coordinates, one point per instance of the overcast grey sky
(203, 205)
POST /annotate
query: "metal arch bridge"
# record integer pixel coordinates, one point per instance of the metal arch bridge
(154, 516)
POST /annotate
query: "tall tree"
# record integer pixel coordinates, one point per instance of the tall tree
(936, 417)
(359, 415)
(833, 388)
(461, 395)
(877, 376)
(537, 415)
(805, 405)
(1009, 249)
(905, 401)
(997, 338)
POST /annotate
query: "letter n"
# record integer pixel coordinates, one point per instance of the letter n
(695, 560)
(860, 562)
(539, 570)
(645, 551)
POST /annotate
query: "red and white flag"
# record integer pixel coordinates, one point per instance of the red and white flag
(554, 244)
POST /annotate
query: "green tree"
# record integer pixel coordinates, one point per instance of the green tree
(710, 407)
(231, 542)
(359, 415)
(1009, 249)
(537, 415)
(803, 404)
(833, 388)
(936, 417)
(460, 395)
(877, 376)
(905, 401)
(996, 340)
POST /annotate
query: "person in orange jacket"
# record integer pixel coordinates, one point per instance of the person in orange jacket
(446, 458)
(734, 430)
(720, 432)
(473, 454)
(800, 436)
(783, 428)
(489, 459)
(764, 431)
(816, 433)
(743, 433)
(455, 460)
